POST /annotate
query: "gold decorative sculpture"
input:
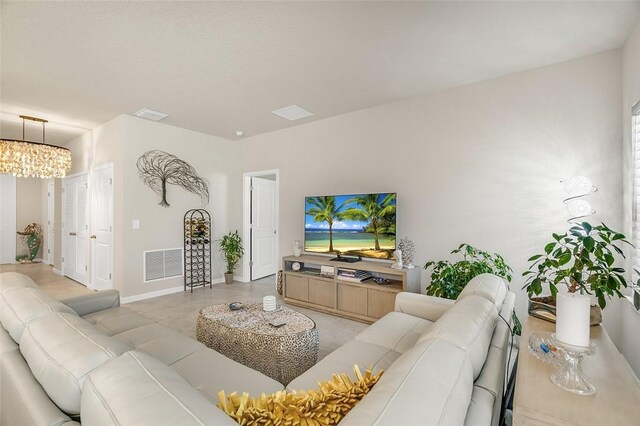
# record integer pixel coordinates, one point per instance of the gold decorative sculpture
(32, 238)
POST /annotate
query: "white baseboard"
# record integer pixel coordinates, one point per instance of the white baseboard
(158, 293)
(151, 294)
(57, 271)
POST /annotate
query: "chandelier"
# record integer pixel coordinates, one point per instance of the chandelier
(23, 158)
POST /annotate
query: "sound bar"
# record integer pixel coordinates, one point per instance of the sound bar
(347, 259)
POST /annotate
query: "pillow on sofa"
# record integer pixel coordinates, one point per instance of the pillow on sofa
(19, 306)
(326, 406)
(61, 350)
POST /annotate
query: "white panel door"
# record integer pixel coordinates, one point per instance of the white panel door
(7, 218)
(102, 223)
(263, 228)
(50, 222)
(75, 229)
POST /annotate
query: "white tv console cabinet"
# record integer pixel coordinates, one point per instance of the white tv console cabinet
(366, 301)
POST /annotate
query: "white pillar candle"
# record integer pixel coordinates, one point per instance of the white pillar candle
(269, 303)
(572, 319)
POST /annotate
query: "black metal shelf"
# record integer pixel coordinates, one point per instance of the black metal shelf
(197, 249)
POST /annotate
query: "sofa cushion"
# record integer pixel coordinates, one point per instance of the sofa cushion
(11, 280)
(23, 402)
(364, 355)
(210, 372)
(489, 286)
(480, 412)
(136, 389)
(162, 343)
(61, 350)
(19, 306)
(116, 320)
(430, 383)
(396, 331)
(469, 325)
(6, 342)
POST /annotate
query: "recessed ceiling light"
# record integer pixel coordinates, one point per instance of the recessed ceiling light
(293, 112)
(150, 114)
(239, 133)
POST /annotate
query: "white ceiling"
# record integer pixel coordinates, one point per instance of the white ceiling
(218, 67)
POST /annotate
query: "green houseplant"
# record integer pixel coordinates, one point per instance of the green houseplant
(449, 278)
(232, 250)
(581, 259)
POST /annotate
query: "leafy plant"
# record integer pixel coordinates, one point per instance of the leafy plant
(231, 247)
(448, 279)
(582, 259)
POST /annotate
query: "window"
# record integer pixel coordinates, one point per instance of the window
(635, 120)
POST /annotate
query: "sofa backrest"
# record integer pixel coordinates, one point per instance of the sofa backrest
(137, 389)
(431, 382)
(21, 305)
(469, 325)
(10, 280)
(61, 350)
(491, 287)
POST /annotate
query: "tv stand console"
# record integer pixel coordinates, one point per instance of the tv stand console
(341, 258)
(333, 294)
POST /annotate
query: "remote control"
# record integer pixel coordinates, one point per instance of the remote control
(277, 323)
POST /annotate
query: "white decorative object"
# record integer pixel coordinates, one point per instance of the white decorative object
(269, 303)
(398, 263)
(295, 266)
(577, 187)
(572, 319)
(297, 248)
(407, 248)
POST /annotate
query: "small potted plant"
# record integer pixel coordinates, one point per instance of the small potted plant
(583, 260)
(232, 250)
(448, 279)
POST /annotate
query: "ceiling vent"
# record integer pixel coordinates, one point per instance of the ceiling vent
(150, 114)
(293, 112)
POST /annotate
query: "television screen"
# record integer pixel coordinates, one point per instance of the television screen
(358, 225)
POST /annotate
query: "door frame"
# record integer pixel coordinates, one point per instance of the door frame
(246, 219)
(51, 220)
(92, 222)
(63, 215)
(9, 223)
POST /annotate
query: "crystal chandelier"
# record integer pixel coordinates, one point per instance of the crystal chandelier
(24, 158)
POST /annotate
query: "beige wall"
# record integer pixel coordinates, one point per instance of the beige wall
(629, 319)
(29, 209)
(480, 164)
(122, 141)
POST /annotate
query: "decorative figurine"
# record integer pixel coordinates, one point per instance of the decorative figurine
(398, 263)
(297, 248)
(32, 238)
(408, 250)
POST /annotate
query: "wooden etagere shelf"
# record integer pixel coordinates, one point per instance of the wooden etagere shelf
(362, 301)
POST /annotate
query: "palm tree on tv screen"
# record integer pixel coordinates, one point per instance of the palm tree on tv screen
(324, 210)
(379, 213)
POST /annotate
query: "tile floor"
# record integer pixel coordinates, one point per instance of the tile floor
(179, 310)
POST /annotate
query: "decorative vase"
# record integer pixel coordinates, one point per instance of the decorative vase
(297, 248)
(544, 308)
(228, 278)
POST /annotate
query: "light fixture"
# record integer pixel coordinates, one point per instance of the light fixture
(239, 133)
(23, 158)
(577, 187)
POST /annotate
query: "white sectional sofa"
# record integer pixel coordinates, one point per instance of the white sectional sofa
(88, 360)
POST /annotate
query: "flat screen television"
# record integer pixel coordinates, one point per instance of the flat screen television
(355, 225)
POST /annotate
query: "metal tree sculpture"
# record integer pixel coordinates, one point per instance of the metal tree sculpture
(158, 168)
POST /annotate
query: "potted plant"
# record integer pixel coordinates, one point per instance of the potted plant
(232, 250)
(583, 260)
(448, 279)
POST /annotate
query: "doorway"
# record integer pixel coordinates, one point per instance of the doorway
(261, 223)
(102, 226)
(51, 216)
(7, 218)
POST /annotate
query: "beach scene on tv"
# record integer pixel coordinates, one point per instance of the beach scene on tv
(355, 225)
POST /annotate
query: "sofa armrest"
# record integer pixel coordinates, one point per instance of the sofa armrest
(422, 306)
(93, 302)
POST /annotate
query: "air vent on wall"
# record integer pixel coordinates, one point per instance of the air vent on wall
(162, 264)
(150, 114)
(293, 112)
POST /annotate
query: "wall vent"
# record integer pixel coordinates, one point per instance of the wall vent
(162, 264)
